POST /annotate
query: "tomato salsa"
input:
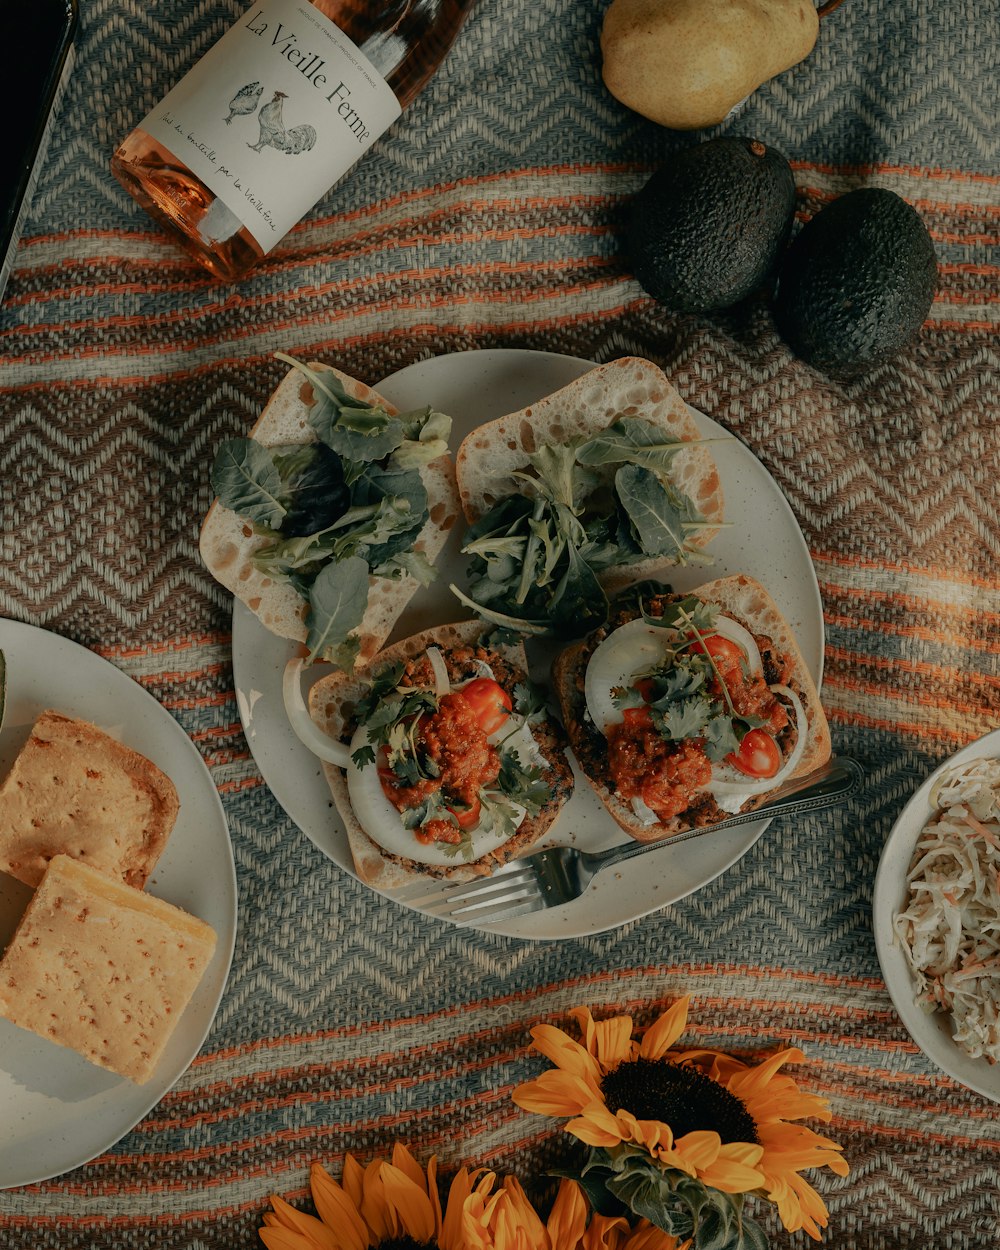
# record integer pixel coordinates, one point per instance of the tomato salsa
(666, 773)
(454, 739)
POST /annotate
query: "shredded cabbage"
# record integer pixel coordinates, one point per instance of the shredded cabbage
(950, 928)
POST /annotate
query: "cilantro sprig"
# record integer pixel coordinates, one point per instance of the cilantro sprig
(688, 697)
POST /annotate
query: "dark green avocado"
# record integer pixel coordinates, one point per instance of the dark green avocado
(707, 229)
(857, 282)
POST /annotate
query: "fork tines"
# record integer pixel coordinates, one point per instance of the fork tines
(512, 891)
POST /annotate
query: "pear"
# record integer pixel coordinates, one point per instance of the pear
(686, 63)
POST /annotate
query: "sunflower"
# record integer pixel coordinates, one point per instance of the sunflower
(387, 1203)
(395, 1206)
(700, 1113)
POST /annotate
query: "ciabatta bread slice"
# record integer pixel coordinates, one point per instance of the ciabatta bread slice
(748, 603)
(628, 387)
(465, 648)
(228, 542)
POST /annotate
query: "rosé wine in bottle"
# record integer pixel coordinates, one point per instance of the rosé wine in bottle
(274, 114)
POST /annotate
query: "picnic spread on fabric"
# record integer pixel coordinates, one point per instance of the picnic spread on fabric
(500, 655)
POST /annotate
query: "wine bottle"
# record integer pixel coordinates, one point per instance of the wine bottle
(274, 114)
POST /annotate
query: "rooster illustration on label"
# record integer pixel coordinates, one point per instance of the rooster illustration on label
(273, 132)
(244, 101)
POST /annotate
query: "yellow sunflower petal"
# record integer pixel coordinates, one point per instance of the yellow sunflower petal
(408, 1198)
(611, 1041)
(336, 1209)
(568, 1217)
(377, 1213)
(605, 1232)
(595, 1130)
(404, 1160)
(737, 1170)
(315, 1232)
(646, 1236)
(451, 1222)
(564, 1052)
(352, 1178)
(277, 1238)
(662, 1034)
(555, 1093)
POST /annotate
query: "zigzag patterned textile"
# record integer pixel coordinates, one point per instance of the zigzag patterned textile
(490, 216)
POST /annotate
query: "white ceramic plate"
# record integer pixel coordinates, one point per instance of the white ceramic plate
(764, 541)
(58, 1111)
(932, 1033)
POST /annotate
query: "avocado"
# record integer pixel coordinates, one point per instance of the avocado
(707, 229)
(857, 282)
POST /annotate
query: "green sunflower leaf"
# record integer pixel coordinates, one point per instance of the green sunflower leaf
(630, 1179)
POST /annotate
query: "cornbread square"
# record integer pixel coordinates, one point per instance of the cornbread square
(102, 968)
(75, 790)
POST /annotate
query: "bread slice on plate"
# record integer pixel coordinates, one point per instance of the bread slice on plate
(102, 968)
(74, 790)
(627, 387)
(386, 853)
(231, 545)
(660, 704)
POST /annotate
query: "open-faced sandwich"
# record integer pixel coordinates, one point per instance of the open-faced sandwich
(440, 755)
(331, 514)
(685, 709)
(598, 484)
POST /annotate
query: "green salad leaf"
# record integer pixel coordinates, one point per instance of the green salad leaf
(246, 480)
(536, 556)
(352, 496)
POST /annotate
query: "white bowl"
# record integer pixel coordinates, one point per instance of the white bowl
(931, 1032)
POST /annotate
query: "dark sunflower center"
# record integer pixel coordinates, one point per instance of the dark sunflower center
(407, 1243)
(684, 1098)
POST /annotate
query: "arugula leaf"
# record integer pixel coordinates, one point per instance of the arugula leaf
(631, 440)
(407, 564)
(656, 514)
(245, 479)
(337, 602)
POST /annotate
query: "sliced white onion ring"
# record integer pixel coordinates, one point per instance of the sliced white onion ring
(305, 728)
(729, 783)
(442, 682)
(644, 812)
(635, 647)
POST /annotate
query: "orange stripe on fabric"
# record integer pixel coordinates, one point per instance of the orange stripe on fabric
(919, 731)
(933, 572)
(946, 673)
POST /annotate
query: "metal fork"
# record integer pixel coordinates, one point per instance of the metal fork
(558, 876)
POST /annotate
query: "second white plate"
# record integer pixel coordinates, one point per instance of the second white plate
(762, 539)
(931, 1032)
(58, 1111)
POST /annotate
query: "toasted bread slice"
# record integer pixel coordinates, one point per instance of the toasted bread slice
(750, 605)
(228, 542)
(74, 790)
(628, 387)
(332, 701)
(102, 968)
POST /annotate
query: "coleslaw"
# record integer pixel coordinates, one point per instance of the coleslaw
(950, 927)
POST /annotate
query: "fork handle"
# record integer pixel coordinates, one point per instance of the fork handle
(838, 778)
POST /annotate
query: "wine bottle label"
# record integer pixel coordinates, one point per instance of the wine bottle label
(274, 114)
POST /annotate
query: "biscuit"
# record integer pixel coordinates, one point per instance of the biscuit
(74, 790)
(102, 968)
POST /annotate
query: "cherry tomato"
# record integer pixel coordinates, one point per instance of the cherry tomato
(638, 717)
(467, 818)
(720, 648)
(646, 688)
(758, 756)
(489, 702)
